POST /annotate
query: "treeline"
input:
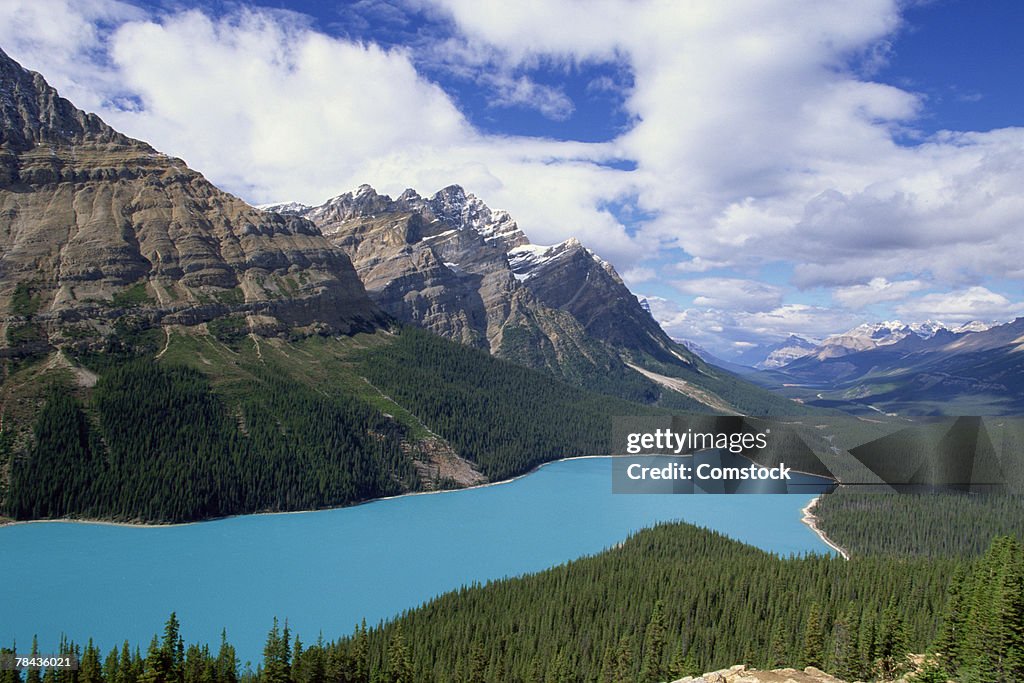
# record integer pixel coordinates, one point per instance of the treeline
(505, 418)
(671, 601)
(157, 444)
(928, 525)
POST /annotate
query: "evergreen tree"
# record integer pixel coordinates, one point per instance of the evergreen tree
(652, 670)
(891, 648)
(477, 664)
(399, 664)
(624, 661)
(361, 655)
(34, 675)
(226, 666)
(89, 668)
(275, 657)
(778, 646)
(847, 648)
(813, 653)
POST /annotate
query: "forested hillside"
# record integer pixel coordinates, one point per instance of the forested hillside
(932, 525)
(228, 423)
(494, 413)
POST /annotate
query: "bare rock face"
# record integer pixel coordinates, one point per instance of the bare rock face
(462, 270)
(442, 263)
(91, 220)
(741, 674)
(572, 278)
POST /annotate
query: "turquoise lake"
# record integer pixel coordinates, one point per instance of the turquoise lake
(326, 570)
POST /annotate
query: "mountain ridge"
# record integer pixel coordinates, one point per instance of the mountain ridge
(88, 214)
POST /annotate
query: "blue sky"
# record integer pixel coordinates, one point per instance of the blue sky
(756, 168)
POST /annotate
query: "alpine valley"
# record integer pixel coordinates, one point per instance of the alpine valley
(892, 367)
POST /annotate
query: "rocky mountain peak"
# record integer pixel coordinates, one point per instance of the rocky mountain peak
(87, 213)
(32, 113)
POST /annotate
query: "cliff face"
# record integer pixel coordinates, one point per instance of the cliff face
(571, 278)
(451, 264)
(442, 263)
(91, 219)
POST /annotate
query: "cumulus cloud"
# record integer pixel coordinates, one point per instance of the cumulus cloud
(524, 92)
(639, 274)
(719, 330)
(973, 303)
(730, 293)
(877, 290)
(756, 133)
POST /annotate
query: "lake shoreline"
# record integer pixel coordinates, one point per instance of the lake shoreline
(811, 520)
(808, 517)
(7, 522)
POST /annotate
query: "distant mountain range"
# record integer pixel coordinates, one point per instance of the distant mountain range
(861, 338)
(911, 369)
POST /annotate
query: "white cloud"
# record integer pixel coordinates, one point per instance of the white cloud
(523, 92)
(720, 330)
(877, 290)
(730, 293)
(639, 275)
(757, 135)
(973, 303)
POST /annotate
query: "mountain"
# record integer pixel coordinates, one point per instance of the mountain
(945, 373)
(973, 326)
(169, 353)
(451, 264)
(872, 335)
(94, 224)
(785, 352)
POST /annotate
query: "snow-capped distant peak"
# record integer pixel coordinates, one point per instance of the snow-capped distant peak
(285, 207)
(974, 326)
(927, 329)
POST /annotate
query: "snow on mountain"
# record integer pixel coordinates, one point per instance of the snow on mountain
(526, 259)
(974, 326)
(285, 208)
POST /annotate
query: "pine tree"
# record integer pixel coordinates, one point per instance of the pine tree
(399, 664)
(891, 642)
(778, 646)
(361, 655)
(275, 657)
(477, 664)
(624, 661)
(813, 653)
(652, 670)
(226, 666)
(848, 654)
(34, 675)
(89, 668)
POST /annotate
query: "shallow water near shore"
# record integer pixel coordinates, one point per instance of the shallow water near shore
(324, 571)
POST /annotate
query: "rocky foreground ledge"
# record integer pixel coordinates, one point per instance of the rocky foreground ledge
(741, 674)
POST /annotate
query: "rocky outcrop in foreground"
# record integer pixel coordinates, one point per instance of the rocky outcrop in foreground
(741, 674)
